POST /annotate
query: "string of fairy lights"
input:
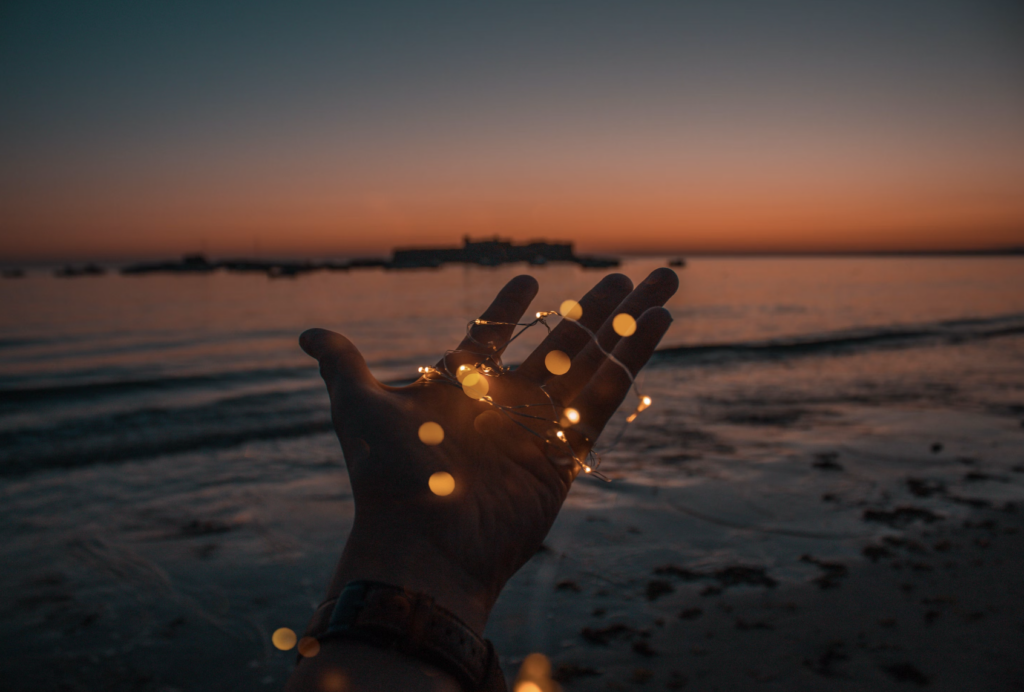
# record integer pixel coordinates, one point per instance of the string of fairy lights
(474, 381)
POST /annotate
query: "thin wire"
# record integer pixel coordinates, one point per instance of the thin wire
(491, 365)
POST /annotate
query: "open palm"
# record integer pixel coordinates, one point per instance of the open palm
(509, 479)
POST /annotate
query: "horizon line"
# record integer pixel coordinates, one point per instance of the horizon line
(1012, 250)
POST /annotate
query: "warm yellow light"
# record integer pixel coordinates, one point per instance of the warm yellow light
(570, 310)
(537, 667)
(474, 385)
(646, 400)
(644, 403)
(560, 435)
(527, 686)
(284, 639)
(557, 362)
(539, 315)
(623, 324)
(441, 483)
(309, 647)
(587, 469)
(431, 433)
(631, 418)
(572, 415)
(464, 370)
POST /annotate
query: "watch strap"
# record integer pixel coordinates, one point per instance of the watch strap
(413, 623)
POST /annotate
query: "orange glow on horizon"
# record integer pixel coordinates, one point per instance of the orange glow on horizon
(794, 213)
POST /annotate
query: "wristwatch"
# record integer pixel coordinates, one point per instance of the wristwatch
(411, 622)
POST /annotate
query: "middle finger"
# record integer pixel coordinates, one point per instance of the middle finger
(567, 337)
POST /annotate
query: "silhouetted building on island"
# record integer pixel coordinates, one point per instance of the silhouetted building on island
(487, 253)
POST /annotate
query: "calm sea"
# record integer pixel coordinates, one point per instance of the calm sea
(112, 368)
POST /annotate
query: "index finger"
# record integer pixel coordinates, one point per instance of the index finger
(505, 311)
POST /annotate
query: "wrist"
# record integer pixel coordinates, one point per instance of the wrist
(404, 561)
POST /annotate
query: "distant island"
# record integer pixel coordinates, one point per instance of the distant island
(487, 253)
(495, 251)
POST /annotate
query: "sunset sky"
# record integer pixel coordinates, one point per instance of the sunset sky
(134, 130)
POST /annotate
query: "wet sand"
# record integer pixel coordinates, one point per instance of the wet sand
(934, 605)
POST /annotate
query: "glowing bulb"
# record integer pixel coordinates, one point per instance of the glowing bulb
(441, 483)
(587, 469)
(284, 639)
(631, 418)
(431, 433)
(309, 647)
(474, 385)
(539, 315)
(557, 362)
(572, 415)
(560, 435)
(623, 324)
(570, 310)
(644, 403)
(464, 370)
(527, 686)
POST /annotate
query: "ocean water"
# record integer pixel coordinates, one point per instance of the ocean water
(98, 370)
(170, 485)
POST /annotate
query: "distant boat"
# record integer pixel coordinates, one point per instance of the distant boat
(677, 262)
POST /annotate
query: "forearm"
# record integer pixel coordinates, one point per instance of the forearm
(349, 666)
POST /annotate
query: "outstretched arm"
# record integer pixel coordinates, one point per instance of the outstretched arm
(510, 473)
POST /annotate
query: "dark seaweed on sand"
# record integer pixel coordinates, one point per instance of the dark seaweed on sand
(727, 576)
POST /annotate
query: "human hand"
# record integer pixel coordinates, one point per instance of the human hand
(510, 483)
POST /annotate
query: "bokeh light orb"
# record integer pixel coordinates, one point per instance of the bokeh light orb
(624, 325)
(284, 639)
(570, 310)
(309, 647)
(534, 674)
(442, 483)
(475, 385)
(431, 433)
(557, 362)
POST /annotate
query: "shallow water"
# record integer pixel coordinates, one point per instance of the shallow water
(170, 487)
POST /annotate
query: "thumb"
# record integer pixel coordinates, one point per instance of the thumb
(341, 364)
